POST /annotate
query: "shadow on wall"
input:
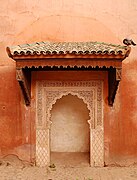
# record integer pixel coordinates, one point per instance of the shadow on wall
(129, 106)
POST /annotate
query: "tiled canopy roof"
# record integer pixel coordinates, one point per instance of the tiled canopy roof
(78, 48)
(68, 55)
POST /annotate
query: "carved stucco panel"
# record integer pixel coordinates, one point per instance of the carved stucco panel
(48, 92)
(51, 96)
(97, 150)
(42, 147)
(39, 105)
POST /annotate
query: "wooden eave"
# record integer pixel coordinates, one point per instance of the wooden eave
(26, 60)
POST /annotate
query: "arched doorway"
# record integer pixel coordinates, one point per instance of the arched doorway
(48, 93)
(70, 132)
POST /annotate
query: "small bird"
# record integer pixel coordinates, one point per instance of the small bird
(129, 42)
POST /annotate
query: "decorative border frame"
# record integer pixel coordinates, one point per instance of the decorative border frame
(47, 93)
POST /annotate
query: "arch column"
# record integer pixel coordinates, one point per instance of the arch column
(48, 92)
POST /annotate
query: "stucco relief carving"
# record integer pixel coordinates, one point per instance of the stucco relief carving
(48, 92)
(39, 105)
(52, 96)
(97, 147)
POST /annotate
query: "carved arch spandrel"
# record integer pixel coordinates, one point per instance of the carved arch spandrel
(87, 99)
(89, 91)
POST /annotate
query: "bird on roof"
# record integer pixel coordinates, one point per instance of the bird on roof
(129, 42)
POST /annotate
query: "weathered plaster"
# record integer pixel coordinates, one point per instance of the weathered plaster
(69, 118)
(73, 20)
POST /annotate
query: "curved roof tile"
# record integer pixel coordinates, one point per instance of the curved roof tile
(82, 48)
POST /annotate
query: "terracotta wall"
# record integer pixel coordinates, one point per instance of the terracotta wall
(111, 21)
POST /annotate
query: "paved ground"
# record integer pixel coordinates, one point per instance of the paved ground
(10, 172)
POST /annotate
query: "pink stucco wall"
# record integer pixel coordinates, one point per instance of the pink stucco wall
(111, 21)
